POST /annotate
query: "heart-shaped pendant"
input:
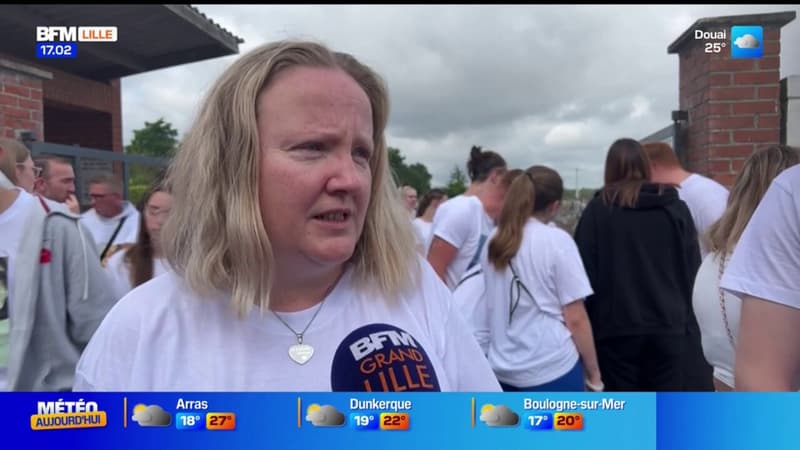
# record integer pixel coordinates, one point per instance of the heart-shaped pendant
(301, 353)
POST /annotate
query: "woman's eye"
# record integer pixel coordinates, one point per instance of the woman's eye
(363, 153)
(314, 146)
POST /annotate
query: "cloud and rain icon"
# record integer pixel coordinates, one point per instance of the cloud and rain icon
(324, 416)
(747, 41)
(151, 416)
(498, 416)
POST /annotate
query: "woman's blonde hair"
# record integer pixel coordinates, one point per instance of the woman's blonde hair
(750, 186)
(14, 152)
(215, 235)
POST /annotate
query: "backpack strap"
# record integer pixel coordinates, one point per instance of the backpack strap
(477, 256)
(113, 236)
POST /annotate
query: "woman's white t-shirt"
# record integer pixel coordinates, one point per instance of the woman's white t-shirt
(766, 263)
(717, 346)
(536, 347)
(422, 230)
(163, 337)
(463, 223)
(119, 273)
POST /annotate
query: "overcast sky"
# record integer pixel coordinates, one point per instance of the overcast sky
(551, 85)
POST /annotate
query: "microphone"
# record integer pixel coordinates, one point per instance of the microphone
(382, 358)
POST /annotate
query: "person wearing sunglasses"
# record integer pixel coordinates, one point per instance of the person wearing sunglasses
(540, 336)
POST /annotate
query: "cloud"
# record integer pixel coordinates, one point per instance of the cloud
(499, 416)
(538, 83)
(746, 41)
(152, 416)
(324, 416)
(566, 134)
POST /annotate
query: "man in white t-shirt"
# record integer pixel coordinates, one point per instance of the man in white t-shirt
(765, 271)
(705, 197)
(409, 200)
(111, 221)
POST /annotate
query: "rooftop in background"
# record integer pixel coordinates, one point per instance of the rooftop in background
(150, 37)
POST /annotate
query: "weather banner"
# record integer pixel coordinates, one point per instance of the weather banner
(616, 421)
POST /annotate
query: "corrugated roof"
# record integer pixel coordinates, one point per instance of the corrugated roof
(150, 37)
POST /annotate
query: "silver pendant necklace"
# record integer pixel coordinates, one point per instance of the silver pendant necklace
(301, 352)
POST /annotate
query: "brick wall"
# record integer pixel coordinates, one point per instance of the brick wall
(71, 110)
(733, 104)
(20, 100)
(84, 112)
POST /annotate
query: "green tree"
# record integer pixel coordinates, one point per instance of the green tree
(415, 175)
(155, 139)
(457, 184)
(158, 139)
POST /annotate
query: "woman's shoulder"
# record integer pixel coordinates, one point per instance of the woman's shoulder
(116, 261)
(461, 204)
(163, 295)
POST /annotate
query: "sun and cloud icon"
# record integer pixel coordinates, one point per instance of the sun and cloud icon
(151, 416)
(498, 416)
(324, 416)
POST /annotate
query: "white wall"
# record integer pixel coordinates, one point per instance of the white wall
(793, 110)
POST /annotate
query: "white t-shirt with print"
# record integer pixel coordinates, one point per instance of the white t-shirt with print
(461, 221)
(717, 346)
(766, 262)
(119, 273)
(536, 347)
(12, 224)
(706, 200)
(163, 337)
(102, 228)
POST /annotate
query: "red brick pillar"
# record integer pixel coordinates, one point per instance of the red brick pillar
(733, 104)
(21, 99)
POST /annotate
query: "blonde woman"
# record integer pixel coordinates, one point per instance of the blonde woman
(294, 269)
(717, 310)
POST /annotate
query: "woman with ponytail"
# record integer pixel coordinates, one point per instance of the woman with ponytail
(540, 335)
(462, 223)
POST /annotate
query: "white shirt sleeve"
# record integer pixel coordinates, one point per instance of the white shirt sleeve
(454, 223)
(766, 261)
(570, 277)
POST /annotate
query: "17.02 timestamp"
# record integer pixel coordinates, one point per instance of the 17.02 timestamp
(47, 50)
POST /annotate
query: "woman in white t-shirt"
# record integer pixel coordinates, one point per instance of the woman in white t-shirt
(717, 310)
(461, 224)
(137, 263)
(540, 336)
(425, 211)
(293, 269)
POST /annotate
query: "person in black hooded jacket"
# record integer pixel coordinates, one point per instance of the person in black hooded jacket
(639, 246)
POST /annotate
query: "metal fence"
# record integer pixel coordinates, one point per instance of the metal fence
(88, 161)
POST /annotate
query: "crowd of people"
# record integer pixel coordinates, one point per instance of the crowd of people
(278, 253)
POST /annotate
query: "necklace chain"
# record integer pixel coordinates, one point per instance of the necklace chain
(300, 334)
